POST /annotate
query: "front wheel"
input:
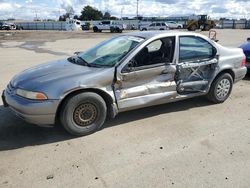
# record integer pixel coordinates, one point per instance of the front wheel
(206, 28)
(221, 88)
(83, 114)
(112, 30)
(193, 28)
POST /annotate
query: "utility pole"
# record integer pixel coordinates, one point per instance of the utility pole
(137, 8)
(121, 12)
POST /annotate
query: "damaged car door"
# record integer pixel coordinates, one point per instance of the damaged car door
(196, 68)
(149, 77)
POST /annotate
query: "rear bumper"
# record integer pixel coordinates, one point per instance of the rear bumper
(240, 74)
(248, 65)
(35, 112)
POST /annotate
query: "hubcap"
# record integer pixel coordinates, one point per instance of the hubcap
(223, 88)
(85, 114)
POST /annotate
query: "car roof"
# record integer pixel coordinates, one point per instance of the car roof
(150, 34)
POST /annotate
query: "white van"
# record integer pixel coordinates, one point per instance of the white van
(73, 25)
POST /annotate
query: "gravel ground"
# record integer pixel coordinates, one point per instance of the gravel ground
(190, 143)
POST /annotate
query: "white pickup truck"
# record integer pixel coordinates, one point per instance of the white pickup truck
(108, 25)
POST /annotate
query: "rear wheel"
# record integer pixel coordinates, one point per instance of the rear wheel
(83, 114)
(95, 29)
(221, 88)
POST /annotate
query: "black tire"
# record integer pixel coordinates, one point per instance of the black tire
(76, 108)
(144, 29)
(213, 94)
(118, 30)
(95, 29)
(193, 28)
(206, 28)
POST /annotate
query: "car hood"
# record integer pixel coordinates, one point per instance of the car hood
(50, 72)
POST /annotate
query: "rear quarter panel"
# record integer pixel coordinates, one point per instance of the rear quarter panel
(231, 58)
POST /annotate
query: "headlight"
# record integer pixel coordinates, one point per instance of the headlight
(31, 94)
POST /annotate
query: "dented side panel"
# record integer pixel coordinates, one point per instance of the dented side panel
(195, 76)
(145, 87)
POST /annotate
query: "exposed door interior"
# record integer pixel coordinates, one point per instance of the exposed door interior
(197, 64)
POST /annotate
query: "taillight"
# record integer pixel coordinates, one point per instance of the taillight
(244, 62)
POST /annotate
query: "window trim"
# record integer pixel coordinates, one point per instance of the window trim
(124, 69)
(197, 60)
(141, 68)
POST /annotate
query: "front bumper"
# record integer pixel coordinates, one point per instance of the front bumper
(36, 112)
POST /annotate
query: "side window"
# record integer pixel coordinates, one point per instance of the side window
(152, 25)
(105, 22)
(157, 52)
(195, 48)
(158, 24)
(154, 46)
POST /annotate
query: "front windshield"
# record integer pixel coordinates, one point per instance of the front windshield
(111, 51)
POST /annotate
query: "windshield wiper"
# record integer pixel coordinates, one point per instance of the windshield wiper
(92, 64)
(76, 61)
(100, 65)
(83, 61)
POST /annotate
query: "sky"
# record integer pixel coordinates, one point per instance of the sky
(51, 9)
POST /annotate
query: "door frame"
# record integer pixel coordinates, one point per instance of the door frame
(120, 74)
(216, 56)
(140, 47)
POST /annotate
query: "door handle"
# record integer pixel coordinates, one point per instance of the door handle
(166, 71)
(169, 70)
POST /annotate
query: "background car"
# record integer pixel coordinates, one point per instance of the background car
(5, 26)
(9, 26)
(246, 49)
(155, 26)
(112, 26)
(174, 25)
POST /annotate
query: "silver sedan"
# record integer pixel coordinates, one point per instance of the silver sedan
(129, 71)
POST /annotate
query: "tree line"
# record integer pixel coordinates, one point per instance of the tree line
(89, 13)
